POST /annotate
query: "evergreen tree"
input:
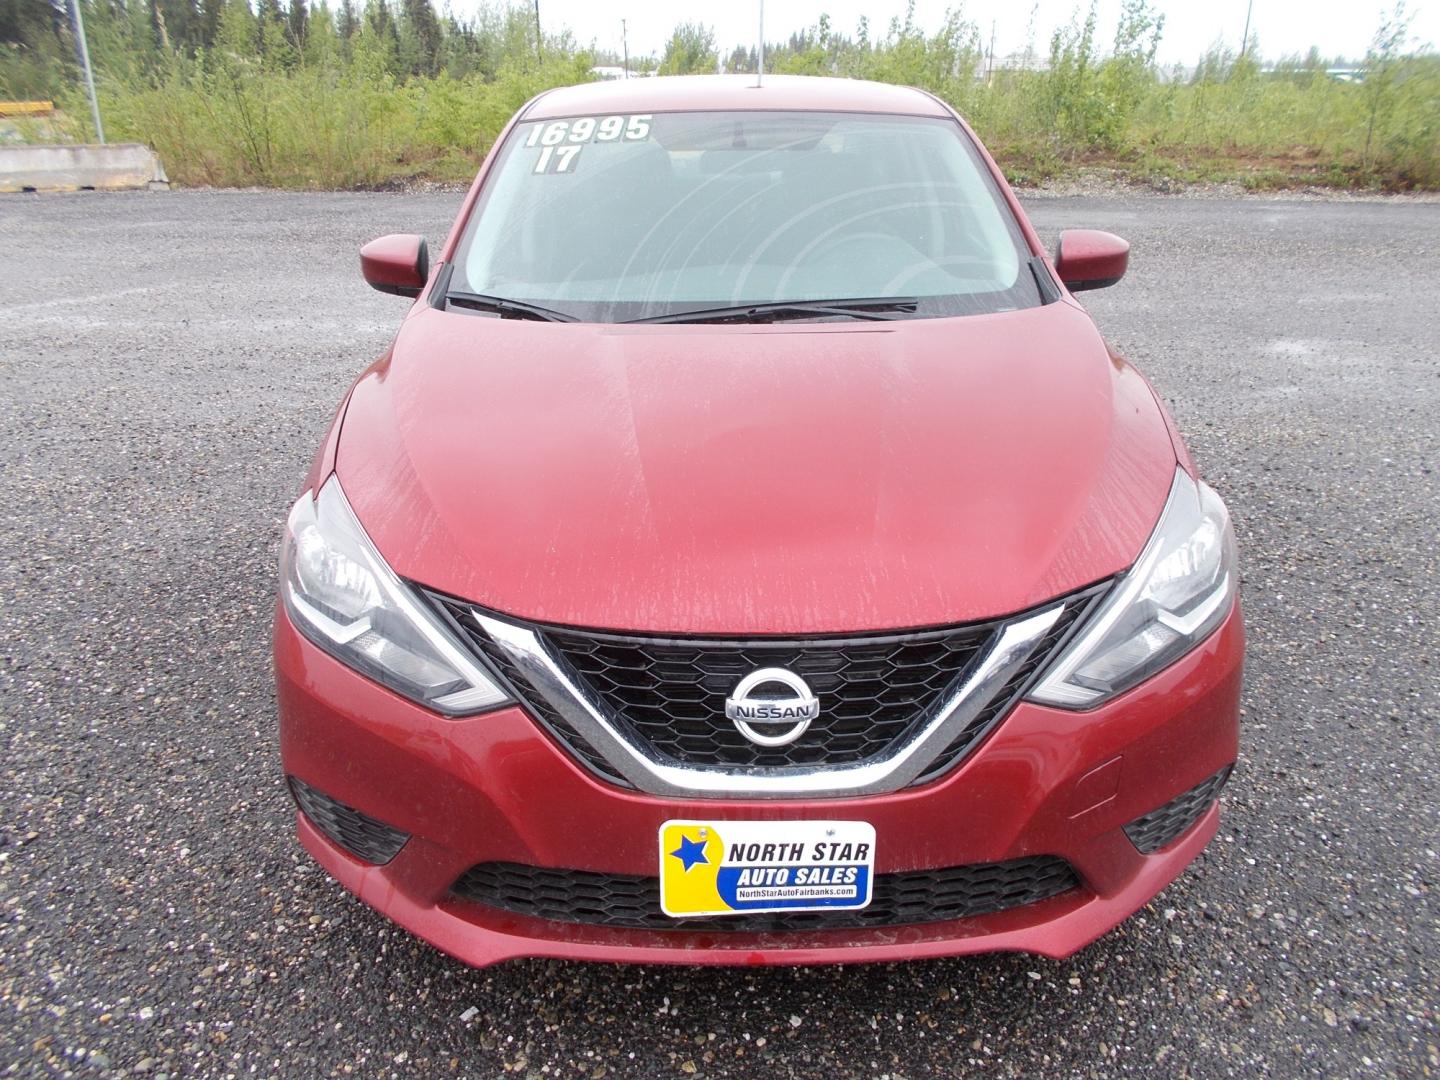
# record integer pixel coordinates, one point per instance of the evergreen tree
(30, 22)
(237, 34)
(107, 31)
(297, 25)
(35, 44)
(209, 21)
(141, 32)
(347, 25)
(461, 47)
(272, 34)
(424, 38)
(181, 20)
(268, 13)
(322, 47)
(345, 22)
(377, 46)
(381, 23)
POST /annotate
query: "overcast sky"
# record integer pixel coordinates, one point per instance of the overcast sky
(1191, 26)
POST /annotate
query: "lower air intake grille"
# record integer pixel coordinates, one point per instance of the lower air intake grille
(1161, 827)
(633, 902)
(357, 833)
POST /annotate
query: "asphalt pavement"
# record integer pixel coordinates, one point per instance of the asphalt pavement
(169, 362)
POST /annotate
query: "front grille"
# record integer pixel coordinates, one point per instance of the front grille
(633, 902)
(873, 691)
(1050, 645)
(522, 691)
(1161, 827)
(357, 833)
(667, 695)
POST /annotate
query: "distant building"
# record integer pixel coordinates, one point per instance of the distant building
(1021, 61)
(610, 71)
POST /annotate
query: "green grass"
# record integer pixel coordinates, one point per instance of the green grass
(314, 128)
(346, 113)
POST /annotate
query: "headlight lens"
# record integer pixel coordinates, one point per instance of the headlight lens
(342, 596)
(1179, 590)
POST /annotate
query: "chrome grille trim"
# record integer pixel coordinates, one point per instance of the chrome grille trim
(896, 769)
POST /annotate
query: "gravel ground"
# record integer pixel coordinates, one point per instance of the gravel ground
(171, 361)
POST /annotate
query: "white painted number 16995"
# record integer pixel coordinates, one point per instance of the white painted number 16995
(560, 140)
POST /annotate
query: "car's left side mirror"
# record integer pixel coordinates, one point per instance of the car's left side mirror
(1090, 259)
(398, 264)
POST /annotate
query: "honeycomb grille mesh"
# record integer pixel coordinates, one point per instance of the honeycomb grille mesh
(1162, 827)
(536, 702)
(357, 833)
(633, 902)
(667, 695)
(873, 692)
(965, 741)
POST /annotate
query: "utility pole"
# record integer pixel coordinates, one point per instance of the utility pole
(539, 41)
(90, 75)
(760, 64)
(1245, 40)
(625, 48)
(990, 64)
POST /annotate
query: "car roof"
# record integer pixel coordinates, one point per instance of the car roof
(682, 93)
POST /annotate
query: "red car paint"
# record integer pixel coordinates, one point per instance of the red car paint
(1090, 259)
(396, 264)
(472, 791)
(915, 473)
(655, 440)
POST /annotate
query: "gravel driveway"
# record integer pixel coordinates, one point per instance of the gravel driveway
(169, 363)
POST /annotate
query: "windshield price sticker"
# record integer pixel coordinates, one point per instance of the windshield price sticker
(560, 141)
(735, 867)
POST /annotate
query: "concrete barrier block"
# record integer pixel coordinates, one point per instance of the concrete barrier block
(119, 167)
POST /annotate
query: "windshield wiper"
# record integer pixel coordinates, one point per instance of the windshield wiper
(876, 308)
(507, 309)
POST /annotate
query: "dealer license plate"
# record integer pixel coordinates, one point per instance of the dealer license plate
(736, 867)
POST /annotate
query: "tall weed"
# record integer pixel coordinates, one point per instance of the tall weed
(347, 105)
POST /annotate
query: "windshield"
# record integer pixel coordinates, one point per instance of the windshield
(624, 217)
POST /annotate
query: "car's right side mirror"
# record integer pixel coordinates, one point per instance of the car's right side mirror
(398, 264)
(1090, 259)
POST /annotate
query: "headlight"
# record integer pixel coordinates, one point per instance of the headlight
(1179, 590)
(342, 596)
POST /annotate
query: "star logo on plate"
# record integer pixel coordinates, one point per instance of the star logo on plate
(690, 852)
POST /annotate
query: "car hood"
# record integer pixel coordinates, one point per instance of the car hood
(780, 479)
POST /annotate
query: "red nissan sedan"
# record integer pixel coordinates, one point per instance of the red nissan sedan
(749, 552)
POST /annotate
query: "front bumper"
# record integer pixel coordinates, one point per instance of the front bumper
(494, 788)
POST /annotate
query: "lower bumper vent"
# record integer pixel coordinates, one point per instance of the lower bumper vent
(633, 902)
(357, 833)
(1162, 827)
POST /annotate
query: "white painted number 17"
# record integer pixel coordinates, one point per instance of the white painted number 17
(556, 158)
